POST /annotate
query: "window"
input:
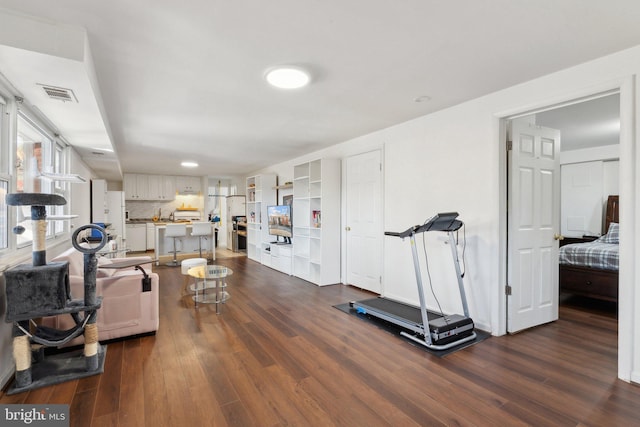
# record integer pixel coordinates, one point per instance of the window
(28, 149)
(59, 187)
(4, 217)
(4, 175)
(34, 155)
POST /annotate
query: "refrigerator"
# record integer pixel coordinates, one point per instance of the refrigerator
(99, 200)
(115, 215)
(107, 207)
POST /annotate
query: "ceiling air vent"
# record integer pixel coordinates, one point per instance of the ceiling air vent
(59, 93)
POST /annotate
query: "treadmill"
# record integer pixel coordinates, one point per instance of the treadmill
(443, 332)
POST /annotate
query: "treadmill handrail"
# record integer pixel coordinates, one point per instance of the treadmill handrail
(402, 234)
(440, 222)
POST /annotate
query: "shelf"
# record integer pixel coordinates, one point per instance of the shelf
(283, 186)
(74, 178)
(60, 217)
(317, 221)
(260, 195)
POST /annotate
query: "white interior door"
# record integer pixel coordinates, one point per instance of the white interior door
(534, 224)
(364, 221)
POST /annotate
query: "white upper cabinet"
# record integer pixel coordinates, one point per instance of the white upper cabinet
(136, 186)
(188, 185)
(162, 187)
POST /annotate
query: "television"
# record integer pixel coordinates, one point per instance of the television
(279, 221)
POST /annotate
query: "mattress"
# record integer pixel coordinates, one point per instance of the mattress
(596, 254)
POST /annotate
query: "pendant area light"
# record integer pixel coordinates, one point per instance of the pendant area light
(288, 77)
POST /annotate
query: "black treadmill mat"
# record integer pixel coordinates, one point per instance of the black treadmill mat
(394, 329)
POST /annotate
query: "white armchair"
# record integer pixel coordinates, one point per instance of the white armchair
(126, 309)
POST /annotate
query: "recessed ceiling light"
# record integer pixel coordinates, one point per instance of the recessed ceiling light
(189, 164)
(288, 77)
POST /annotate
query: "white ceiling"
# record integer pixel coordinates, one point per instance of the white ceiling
(168, 81)
(588, 124)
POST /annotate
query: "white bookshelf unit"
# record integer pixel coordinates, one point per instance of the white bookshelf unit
(260, 194)
(316, 221)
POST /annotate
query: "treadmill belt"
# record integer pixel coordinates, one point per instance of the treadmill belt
(397, 309)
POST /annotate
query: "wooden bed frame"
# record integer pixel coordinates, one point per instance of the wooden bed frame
(593, 282)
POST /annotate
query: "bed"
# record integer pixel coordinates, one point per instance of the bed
(591, 268)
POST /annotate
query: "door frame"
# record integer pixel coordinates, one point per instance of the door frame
(627, 274)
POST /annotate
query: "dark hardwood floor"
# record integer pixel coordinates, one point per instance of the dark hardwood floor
(281, 355)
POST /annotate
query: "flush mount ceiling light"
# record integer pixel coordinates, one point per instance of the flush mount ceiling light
(287, 77)
(189, 164)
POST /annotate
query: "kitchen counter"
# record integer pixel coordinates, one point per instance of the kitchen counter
(163, 221)
(145, 220)
(187, 246)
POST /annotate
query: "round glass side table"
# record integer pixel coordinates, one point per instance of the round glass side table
(211, 278)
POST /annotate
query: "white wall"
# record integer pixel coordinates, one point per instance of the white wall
(453, 160)
(584, 196)
(605, 176)
(611, 185)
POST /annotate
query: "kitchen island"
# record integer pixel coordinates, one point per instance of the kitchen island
(187, 246)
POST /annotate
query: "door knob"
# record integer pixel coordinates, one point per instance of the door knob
(348, 228)
(558, 236)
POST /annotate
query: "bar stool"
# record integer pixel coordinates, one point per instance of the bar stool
(175, 231)
(184, 269)
(202, 230)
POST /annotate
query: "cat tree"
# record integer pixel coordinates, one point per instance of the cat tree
(40, 290)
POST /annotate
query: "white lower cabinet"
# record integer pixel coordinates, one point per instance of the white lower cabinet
(137, 237)
(280, 258)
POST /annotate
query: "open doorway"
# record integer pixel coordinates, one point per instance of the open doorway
(588, 164)
(589, 175)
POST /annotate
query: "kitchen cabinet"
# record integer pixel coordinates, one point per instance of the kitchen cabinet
(161, 187)
(188, 185)
(137, 237)
(136, 186)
